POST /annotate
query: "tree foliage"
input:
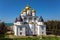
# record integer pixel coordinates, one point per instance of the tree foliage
(53, 27)
(3, 28)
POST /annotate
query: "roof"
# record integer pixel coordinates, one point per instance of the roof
(19, 19)
(41, 19)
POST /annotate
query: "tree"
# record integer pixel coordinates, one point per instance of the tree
(53, 27)
(3, 29)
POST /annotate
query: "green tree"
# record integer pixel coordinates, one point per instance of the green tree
(53, 27)
(3, 29)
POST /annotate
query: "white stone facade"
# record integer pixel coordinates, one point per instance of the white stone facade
(28, 24)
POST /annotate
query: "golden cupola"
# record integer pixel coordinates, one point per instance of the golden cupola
(24, 12)
(21, 13)
(33, 11)
(27, 7)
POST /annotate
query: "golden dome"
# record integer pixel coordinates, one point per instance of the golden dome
(33, 10)
(27, 7)
(23, 11)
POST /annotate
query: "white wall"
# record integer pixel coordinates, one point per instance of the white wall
(40, 30)
(22, 31)
(15, 30)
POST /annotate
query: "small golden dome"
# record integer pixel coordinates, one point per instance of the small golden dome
(27, 7)
(33, 10)
(23, 11)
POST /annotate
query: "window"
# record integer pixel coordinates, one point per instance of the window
(42, 28)
(30, 19)
(20, 28)
(25, 23)
(34, 18)
(42, 32)
(20, 33)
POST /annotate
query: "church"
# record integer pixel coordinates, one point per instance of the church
(28, 24)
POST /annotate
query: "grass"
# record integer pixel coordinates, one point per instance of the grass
(33, 38)
(12, 37)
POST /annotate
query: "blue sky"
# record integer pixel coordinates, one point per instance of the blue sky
(10, 9)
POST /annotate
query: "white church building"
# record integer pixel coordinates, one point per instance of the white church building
(28, 24)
